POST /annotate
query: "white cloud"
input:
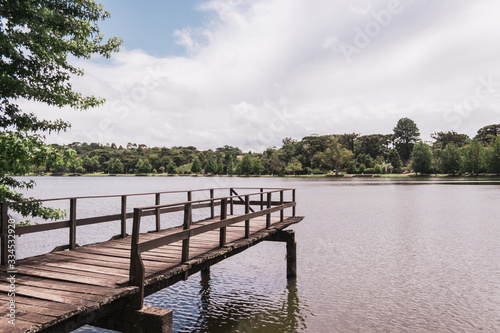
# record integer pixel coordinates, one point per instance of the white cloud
(260, 71)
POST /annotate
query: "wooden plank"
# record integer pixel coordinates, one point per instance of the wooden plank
(88, 275)
(43, 304)
(123, 253)
(20, 326)
(61, 285)
(28, 313)
(110, 264)
(64, 276)
(107, 260)
(57, 295)
(32, 309)
(88, 268)
(41, 227)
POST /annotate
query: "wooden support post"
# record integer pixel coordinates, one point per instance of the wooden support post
(4, 233)
(212, 206)
(147, 320)
(293, 199)
(188, 217)
(223, 216)
(158, 218)
(268, 216)
(261, 199)
(288, 236)
(190, 196)
(137, 271)
(291, 256)
(281, 203)
(72, 223)
(205, 275)
(231, 200)
(247, 210)
(123, 217)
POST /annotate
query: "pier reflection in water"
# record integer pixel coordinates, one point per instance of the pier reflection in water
(235, 305)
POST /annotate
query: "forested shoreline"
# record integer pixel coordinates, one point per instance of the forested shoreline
(399, 152)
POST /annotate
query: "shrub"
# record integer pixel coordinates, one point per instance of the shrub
(377, 169)
(369, 171)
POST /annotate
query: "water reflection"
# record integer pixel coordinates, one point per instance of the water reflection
(248, 314)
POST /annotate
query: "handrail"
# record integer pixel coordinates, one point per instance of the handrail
(139, 194)
(158, 209)
(190, 229)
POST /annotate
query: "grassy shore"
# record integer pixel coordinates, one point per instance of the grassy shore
(409, 175)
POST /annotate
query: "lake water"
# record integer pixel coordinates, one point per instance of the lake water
(374, 255)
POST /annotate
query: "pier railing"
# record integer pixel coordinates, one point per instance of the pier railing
(263, 198)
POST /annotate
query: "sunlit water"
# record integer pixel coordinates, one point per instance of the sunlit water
(374, 255)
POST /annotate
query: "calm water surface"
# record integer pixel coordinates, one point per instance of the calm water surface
(374, 255)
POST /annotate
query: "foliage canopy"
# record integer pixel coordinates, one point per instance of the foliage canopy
(36, 39)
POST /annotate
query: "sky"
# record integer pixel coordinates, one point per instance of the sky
(249, 73)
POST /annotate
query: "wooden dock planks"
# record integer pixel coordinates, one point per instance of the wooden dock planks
(59, 287)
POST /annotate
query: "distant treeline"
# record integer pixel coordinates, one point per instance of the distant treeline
(400, 151)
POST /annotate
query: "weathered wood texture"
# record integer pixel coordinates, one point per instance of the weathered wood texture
(61, 291)
(68, 289)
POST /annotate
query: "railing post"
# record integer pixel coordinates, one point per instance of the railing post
(212, 206)
(190, 196)
(268, 216)
(281, 203)
(261, 199)
(4, 233)
(157, 202)
(231, 193)
(223, 216)
(123, 217)
(188, 217)
(136, 274)
(293, 199)
(72, 223)
(247, 210)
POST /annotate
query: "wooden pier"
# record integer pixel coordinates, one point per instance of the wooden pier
(104, 284)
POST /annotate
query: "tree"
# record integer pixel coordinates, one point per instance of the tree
(35, 41)
(247, 164)
(421, 158)
(445, 138)
(211, 166)
(494, 156)
(196, 165)
(336, 155)
(474, 158)
(230, 167)
(115, 166)
(488, 133)
(366, 160)
(293, 166)
(395, 160)
(373, 145)
(451, 159)
(406, 133)
(143, 166)
(257, 167)
(171, 168)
